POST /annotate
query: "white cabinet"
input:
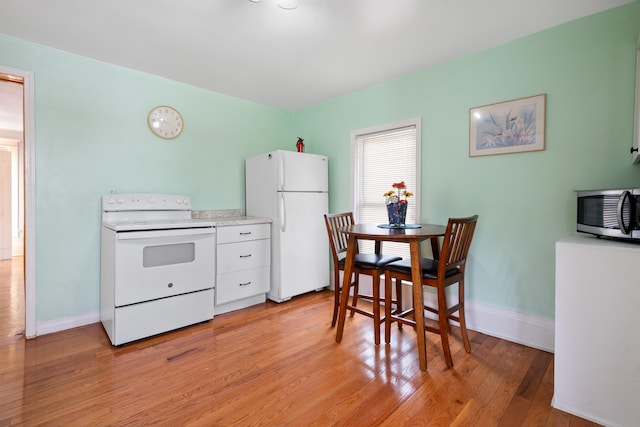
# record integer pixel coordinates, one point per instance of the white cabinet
(243, 266)
(597, 351)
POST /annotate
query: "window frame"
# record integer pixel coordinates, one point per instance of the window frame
(417, 123)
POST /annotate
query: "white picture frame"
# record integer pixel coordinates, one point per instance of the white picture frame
(514, 126)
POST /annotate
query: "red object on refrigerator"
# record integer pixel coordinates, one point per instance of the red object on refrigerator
(300, 145)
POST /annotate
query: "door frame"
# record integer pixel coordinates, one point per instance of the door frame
(29, 197)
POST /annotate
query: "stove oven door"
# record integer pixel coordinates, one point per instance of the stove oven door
(161, 263)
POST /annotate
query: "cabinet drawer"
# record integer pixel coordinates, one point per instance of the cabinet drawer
(243, 255)
(240, 233)
(242, 284)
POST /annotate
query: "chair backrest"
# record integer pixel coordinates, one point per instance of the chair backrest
(337, 240)
(457, 240)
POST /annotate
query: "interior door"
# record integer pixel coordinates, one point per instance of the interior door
(5, 204)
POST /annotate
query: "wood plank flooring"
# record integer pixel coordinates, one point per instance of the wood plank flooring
(12, 297)
(271, 364)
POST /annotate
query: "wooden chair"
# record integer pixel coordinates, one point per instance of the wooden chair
(367, 264)
(440, 274)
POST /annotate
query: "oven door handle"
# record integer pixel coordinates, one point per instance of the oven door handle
(176, 232)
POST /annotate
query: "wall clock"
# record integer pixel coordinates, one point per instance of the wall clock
(165, 121)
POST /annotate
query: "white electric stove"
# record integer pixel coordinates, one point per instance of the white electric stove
(157, 266)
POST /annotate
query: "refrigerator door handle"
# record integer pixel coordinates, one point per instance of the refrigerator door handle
(283, 214)
(281, 174)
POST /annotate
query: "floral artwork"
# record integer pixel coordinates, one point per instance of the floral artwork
(507, 127)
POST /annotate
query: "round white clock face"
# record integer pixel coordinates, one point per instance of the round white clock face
(165, 121)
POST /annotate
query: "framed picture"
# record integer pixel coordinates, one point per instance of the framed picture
(507, 127)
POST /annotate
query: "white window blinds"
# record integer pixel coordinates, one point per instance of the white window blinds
(383, 158)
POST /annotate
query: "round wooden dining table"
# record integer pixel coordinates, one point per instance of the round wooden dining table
(411, 234)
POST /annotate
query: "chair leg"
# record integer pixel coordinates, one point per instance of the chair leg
(419, 311)
(376, 308)
(463, 322)
(446, 314)
(398, 299)
(336, 297)
(356, 291)
(387, 310)
(443, 322)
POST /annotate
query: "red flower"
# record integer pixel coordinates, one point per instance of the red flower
(399, 185)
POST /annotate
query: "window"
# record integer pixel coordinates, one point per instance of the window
(382, 156)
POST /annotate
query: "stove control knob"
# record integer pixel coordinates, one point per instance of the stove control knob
(110, 201)
(152, 200)
(179, 201)
(120, 200)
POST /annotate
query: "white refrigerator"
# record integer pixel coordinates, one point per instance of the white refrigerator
(291, 188)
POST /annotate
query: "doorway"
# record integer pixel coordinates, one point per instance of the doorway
(17, 201)
(12, 204)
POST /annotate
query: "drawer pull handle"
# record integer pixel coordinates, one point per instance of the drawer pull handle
(245, 256)
(246, 233)
(170, 285)
(245, 284)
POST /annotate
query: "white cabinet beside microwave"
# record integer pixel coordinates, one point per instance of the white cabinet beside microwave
(596, 366)
(243, 266)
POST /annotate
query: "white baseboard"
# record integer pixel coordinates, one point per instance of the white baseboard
(63, 323)
(522, 328)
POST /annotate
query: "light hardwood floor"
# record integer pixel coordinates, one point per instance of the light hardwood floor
(11, 298)
(271, 364)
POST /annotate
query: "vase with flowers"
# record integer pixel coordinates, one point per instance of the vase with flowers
(397, 202)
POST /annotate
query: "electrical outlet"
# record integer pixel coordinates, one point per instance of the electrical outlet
(112, 190)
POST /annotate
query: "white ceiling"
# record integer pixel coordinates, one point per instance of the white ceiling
(288, 59)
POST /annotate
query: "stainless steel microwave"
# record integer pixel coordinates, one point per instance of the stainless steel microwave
(610, 213)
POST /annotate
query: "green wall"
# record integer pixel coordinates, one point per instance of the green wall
(526, 202)
(91, 134)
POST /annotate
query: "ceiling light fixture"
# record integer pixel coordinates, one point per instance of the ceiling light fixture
(284, 4)
(288, 4)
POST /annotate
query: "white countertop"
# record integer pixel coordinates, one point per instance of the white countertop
(227, 217)
(591, 240)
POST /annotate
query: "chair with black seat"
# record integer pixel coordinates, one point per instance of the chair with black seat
(447, 270)
(366, 264)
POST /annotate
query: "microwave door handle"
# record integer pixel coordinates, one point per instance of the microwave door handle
(625, 228)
